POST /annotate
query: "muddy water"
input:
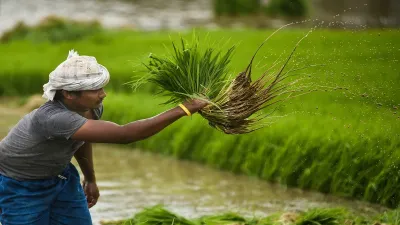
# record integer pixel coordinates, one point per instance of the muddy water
(130, 180)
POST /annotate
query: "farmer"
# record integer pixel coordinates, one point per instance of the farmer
(38, 184)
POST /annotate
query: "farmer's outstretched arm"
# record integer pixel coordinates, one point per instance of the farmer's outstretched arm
(97, 131)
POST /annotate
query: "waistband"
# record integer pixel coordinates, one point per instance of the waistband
(64, 174)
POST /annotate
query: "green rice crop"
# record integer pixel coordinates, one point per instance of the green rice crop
(322, 216)
(226, 218)
(189, 72)
(26, 64)
(158, 215)
(318, 153)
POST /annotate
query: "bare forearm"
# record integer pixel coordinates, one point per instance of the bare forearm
(145, 128)
(84, 156)
(97, 131)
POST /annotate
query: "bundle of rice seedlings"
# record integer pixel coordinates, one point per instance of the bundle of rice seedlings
(322, 217)
(157, 215)
(235, 104)
(227, 218)
(189, 72)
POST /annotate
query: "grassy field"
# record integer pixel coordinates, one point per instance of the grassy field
(344, 142)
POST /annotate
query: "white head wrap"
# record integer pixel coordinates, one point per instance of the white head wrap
(77, 73)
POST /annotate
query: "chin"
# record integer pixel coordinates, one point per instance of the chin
(98, 105)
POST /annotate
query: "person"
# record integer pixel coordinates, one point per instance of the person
(38, 183)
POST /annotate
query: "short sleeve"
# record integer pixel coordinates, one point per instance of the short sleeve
(63, 125)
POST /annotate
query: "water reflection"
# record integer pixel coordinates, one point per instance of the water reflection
(131, 180)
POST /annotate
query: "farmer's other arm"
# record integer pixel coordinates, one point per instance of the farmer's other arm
(84, 157)
(108, 132)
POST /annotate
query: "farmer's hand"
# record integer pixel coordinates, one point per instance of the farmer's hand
(195, 105)
(91, 191)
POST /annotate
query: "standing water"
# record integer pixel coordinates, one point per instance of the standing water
(131, 180)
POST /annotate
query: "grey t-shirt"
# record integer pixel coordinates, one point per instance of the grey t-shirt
(39, 146)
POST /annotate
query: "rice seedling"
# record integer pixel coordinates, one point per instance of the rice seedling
(322, 217)
(235, 104)
(189, 73)
(316, 216)
(227, 218)
(157, 215)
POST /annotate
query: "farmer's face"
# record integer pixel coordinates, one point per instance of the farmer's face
(90, 99)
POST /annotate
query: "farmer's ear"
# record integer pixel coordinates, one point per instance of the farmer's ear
(68, 94)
